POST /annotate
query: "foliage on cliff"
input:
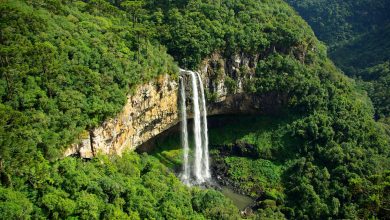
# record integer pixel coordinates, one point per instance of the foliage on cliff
(68, 65)
(198, 28)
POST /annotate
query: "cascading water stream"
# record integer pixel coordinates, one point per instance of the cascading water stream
(205, 138)
(201, 169)
(197, 130)
(184, 133)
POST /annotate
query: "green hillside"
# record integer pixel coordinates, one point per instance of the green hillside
(66, 66)
(358, 36)
(365, 51)
(339, 22)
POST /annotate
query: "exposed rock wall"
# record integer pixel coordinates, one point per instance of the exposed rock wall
(153, 107)
(227, 82)
(148, 112)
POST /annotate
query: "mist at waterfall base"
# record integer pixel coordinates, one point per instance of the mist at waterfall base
(200, 164)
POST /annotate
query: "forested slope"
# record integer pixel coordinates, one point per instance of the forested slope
(357, 33)
(340, 22)
(68, 65)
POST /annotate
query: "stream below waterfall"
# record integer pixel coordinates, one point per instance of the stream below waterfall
(240, 201)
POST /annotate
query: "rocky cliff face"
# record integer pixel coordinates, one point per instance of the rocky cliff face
(149, 111)
(153, 108)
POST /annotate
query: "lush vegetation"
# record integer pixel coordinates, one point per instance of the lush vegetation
(376, 81)
(65, 68)
(199, 28)
(335, 138)
(68, 65)
(338, 23)
(127, 187)
(357, 33)
(264, 158)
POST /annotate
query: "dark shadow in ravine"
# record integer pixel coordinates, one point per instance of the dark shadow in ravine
(224, 130)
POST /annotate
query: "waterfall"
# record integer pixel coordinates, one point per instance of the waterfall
(197, 130)
(184, 133)
(205, 138)
(201, 166)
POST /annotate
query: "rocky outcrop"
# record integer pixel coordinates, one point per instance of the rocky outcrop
(152, 108)
(228, 82)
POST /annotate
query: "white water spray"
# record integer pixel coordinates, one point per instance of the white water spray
(197, 130)
(201, 169)
(205, 138)
(184, 134)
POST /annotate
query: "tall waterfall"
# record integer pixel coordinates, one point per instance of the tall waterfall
(184, 133)
(205, 138)
(197, 129)
(201, 164)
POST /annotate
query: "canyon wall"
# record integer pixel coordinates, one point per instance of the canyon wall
(152, 108)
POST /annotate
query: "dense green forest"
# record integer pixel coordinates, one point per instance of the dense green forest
(65, 66)
(127, 187)
(338, 23)
(357, 33)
